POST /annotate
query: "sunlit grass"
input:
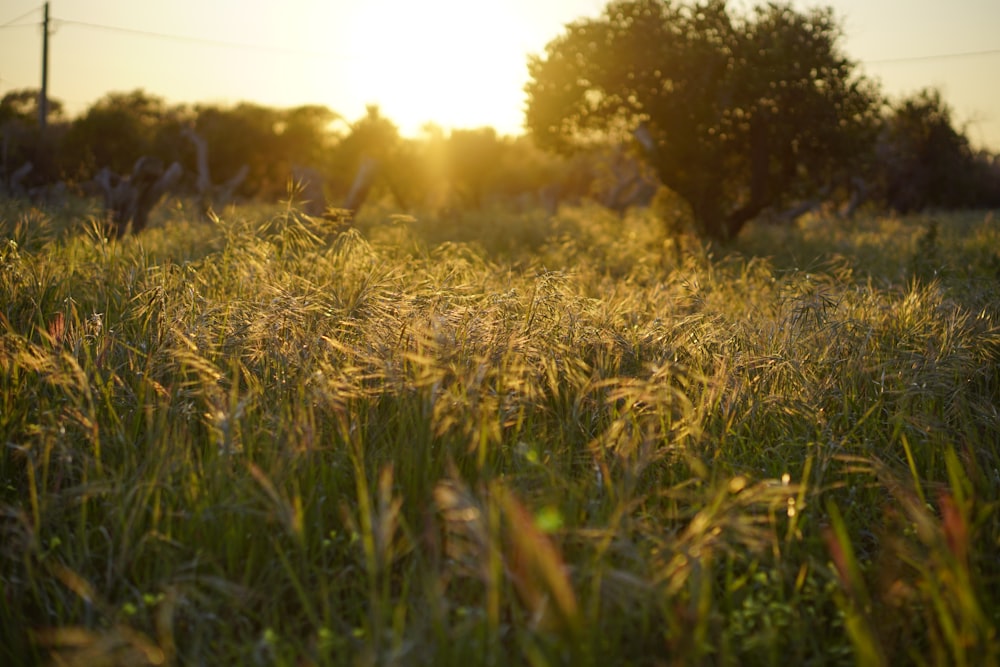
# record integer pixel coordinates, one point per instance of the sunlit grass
(498, 439)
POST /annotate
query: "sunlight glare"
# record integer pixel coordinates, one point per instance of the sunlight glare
(451, 62)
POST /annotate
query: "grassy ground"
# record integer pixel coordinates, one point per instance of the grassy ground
(558, 441)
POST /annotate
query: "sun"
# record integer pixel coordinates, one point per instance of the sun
(451, 62)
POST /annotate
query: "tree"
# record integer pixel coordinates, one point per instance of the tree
(245, 136)
(305, 135)
(114, 132)
(473, 163)
(22, 106)
(738, 112)
(372, 147)
(23, 148)
(924, 161)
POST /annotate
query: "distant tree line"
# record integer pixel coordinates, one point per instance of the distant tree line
(455, 169)
(739, 114)
(120, 128)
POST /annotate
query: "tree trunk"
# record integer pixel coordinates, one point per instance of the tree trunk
(361, 185)
(712, 220)
(16, 187)
(307, 184)
(702, 188)
(131, 199)
(212, 196)
(717, 224)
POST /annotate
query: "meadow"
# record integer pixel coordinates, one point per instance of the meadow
(498, 439)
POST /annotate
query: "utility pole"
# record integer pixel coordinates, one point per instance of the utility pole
(43, 95)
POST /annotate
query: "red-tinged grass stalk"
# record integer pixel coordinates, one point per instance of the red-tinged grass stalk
(924, 579)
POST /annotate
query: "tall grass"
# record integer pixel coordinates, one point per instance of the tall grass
(565, 441)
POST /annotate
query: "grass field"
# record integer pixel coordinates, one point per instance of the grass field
(499, 440)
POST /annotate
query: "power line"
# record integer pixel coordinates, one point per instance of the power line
(938, 56)
(246, 46)
(199, 40)
(27, 13)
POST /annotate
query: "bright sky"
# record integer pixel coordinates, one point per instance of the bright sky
(459, 63)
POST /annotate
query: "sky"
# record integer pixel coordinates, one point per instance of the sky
(457, 63)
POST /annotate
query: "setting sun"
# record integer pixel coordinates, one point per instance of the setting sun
(450, 62)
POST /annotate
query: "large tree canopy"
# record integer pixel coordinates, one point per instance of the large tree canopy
(739, 112)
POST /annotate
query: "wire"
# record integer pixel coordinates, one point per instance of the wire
(939, 56)
(317, 54)
(198, 40)
(27, 13)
